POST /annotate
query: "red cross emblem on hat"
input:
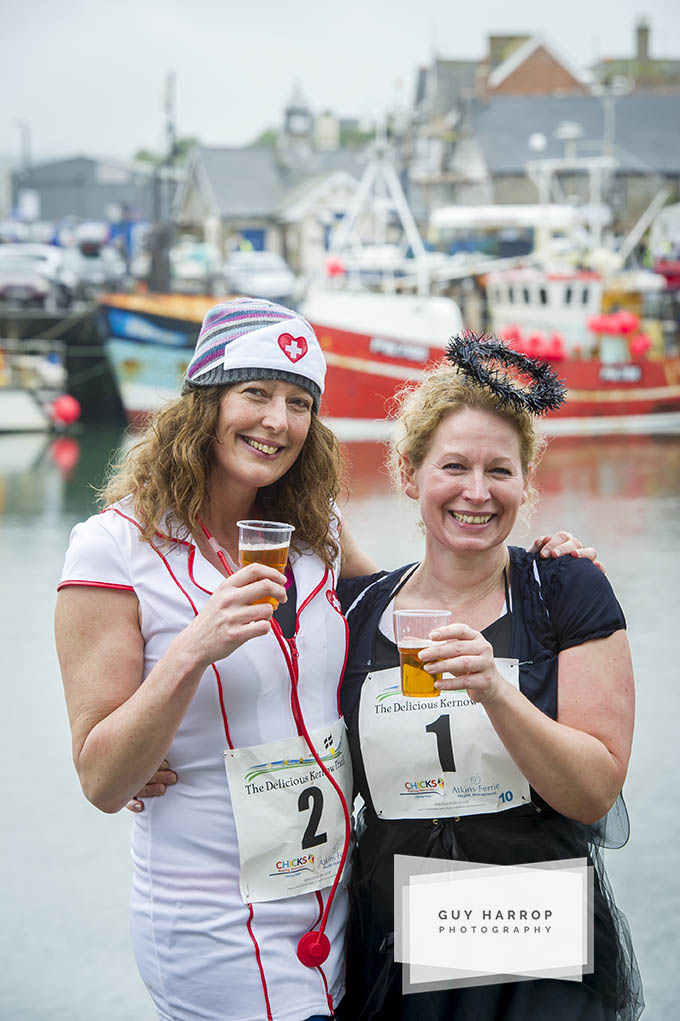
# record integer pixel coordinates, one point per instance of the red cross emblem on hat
(332, 598)
(293, 347)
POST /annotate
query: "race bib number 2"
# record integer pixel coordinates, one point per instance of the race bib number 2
(289, 817)
(428, 758)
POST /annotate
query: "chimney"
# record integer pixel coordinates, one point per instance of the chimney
(642, 41)
(481, 86)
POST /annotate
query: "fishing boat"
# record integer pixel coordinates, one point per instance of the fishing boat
(586, 305)
(605, 338)
(371, 306)
(381, 323)
(602, 327)
(32, 388)
(374, 344)
(371, 346)
(149, 340)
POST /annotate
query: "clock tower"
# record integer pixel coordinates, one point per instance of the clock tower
(298, 122)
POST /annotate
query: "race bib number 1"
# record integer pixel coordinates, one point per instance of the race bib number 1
(427, 758)
(289, 818)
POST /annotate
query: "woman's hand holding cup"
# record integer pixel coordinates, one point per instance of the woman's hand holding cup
(412, 633)
(463, 652)
(240, 608)
(264, 542)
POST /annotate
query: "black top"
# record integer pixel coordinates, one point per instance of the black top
(556, 604)
(285, 613)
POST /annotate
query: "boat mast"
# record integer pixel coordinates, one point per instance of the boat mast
(599, 169)
(379, 183)
(160, 237)
(544, 173)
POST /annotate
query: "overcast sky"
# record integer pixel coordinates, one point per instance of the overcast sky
(87, 76)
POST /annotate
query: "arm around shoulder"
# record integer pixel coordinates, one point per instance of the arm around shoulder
(354, 561)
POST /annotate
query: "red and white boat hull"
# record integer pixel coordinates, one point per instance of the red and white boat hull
(376, 344)
(365, 372)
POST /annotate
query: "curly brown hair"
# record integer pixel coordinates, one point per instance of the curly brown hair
(167, 473)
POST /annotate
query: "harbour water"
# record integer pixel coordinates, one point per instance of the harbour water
(64, 947)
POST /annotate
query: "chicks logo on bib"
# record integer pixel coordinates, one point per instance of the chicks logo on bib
(416, 788)
(291, 866)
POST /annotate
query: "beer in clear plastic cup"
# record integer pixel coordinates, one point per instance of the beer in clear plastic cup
(412, 632)
(264, 542)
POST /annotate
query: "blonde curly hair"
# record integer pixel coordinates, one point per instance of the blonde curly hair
(443, 392)
(167, 473)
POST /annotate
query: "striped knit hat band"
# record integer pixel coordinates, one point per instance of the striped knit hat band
(251, 338)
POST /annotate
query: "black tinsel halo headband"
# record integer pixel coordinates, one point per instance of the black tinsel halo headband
(523, 383)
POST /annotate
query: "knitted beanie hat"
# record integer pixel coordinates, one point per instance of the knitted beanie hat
(251, 338)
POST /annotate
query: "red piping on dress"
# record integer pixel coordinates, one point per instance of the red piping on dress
(259, 963)
(94, 584)
(309, 599)
(190, 568)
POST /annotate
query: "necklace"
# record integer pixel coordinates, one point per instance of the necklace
(482, 596)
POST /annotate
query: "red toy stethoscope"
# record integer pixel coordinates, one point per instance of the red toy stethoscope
(314, 947)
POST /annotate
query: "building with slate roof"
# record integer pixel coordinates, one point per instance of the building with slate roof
(438, 144)
(472, 122)
(272, 200)
(440, 91)
(640, 130)
(282, 198)
(88, 189)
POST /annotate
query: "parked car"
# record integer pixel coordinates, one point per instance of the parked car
(21, 284)
(259, 275)
(95, 270)
(34, 275)
(92, 233)
(48, 261)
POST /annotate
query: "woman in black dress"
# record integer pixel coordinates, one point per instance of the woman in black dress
(558, 720)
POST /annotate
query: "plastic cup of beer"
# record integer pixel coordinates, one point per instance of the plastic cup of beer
(264, 542)
(412, 631)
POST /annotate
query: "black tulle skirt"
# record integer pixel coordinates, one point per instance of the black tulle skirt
(529, 834)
